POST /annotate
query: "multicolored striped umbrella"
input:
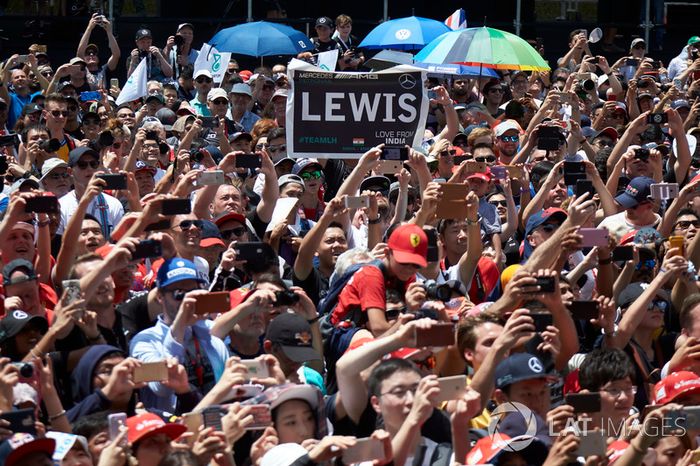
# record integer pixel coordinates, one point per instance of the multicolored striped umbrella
(483, 46)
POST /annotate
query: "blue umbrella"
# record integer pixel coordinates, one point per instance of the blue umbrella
(404, 33)
(261, 39)
(452, 69)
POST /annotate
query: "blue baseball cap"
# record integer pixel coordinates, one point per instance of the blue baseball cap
(538, 218)
(519, 367)
(176, 270)
(636, 192)
(301, 164)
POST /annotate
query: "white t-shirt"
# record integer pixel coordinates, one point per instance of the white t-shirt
(113, 209)
(619, 226)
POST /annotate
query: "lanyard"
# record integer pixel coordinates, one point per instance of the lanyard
(197, 361)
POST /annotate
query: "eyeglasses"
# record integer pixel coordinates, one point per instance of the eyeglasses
(58, 176)
(220, 102)
(315, 175)
(203, 79)
(499, 203)
(486, 159)
(616, 392)
(280, 148)
(237, 232)
(92, 164)
(59, 113)
(659, 304)
(46, 74)
(509, 138)
(400, 392)
(685, 224)
(262, 145)
(187, 224)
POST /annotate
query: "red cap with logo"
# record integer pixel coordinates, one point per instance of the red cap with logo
(409, 245)
(148, 424)
(676, 384)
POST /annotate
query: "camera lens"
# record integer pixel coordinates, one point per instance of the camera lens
(26, 369)
(588, 85)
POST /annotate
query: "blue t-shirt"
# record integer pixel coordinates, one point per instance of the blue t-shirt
(16, 105)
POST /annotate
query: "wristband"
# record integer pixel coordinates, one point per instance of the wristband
(56, 416)
(43, 223)
(315, 319)
(374, 221)
(472, 222)
(605, 261)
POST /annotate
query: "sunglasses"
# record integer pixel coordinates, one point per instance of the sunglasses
(59, 113)
(685, 224)
(487, 159)
(447, 153)
(187, 224)
(58, 176)
(92, 164)
(268, 87)
(659, 304)
(280, 148)
(314, 175)
(261, 145)
(126, 115)
(648, 264)
(496, 89)
(237, 232)
(220, 102)
(509, 138)
(203, 79)
(499, 203)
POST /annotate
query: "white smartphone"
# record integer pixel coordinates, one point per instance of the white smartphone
(211, 178)
(115, 422)
(366, 449)
(356, 202)
(663, 191)
(257, 369)
(452, 388)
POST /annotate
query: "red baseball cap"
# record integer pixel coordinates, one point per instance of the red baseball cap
(148, 424)
(676, 384)
(240, 218)
(409, 244)
(486, 176)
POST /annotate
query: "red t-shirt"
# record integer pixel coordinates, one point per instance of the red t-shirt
(366, 289)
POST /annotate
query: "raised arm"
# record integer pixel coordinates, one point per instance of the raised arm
(85, 39)
(366, 163)
(303, 264)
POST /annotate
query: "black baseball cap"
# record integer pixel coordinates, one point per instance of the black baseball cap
(377, 183)
(75, 155)
(141, 33)
(324, 21)
(517, 368)
(15, 265)
(293, 334)
(15, 321)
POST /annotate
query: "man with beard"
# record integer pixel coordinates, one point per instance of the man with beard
(326, 240)
(97, 75)
(460, 91)
(507, 140)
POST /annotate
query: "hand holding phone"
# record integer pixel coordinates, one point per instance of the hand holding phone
(117, 422)
(437, 335)
(151, 372)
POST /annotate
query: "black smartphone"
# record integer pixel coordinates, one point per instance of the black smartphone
(175, 206)
(248, 161)
(432, 235)
(573, 172)
(158, 226)
(542, 321)
(209, 122)
(584, 310)
(623, 254)
(458, 159)
(546, 284)
(8, 140)
(583, 187)
(394, 153)
(147, 248)
(545, 356)
(42, 204)
(114, 181)
(152, 135)
(548, 138)
(21, 420)
(584, 402)
(657, 118)
(641, 153)
(250, 251)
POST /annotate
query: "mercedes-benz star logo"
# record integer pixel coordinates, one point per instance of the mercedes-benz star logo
(407, 81)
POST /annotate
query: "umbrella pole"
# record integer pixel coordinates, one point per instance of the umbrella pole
(478, 83)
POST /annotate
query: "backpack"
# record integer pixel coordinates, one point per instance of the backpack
(327, 304)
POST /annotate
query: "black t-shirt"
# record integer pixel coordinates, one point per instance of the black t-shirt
(134, 315)
(324, 46)
(437, 428)
(315, 285)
